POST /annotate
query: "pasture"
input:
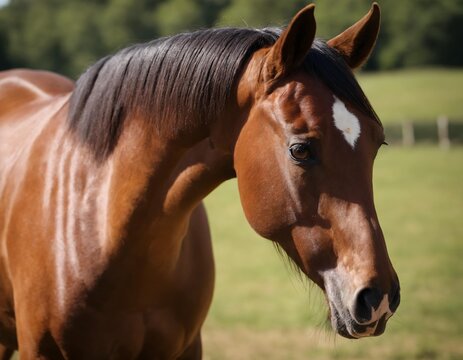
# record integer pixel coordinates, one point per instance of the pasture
(263, 310)
(418, 94)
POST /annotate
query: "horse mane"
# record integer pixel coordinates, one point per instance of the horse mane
(183, 82)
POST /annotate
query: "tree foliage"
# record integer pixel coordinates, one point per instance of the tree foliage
(68, 35)
(423, 32)
(260, 13)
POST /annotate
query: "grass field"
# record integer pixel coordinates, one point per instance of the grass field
(420, 95)
(263, 311)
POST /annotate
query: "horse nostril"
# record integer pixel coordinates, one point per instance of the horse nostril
(367, 299)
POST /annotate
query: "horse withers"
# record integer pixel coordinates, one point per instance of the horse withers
(104, 243)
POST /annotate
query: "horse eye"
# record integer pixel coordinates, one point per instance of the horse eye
(300, 152)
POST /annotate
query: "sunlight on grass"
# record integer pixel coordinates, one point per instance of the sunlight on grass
(419, 95)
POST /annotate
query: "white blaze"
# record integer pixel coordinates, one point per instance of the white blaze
(346, 122)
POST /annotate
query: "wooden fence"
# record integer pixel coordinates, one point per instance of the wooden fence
(443, 132)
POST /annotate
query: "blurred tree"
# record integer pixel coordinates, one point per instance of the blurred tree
(79, 38)
(4, 56)
(123, 22)
(259, 13)
(68, 35)
(34, 36)
(174, 16)
(178, 15)
(422, 32)
(211, 10)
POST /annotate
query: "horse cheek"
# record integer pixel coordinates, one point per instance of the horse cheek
(262, 196)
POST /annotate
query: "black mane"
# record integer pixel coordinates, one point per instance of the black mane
(183, 82)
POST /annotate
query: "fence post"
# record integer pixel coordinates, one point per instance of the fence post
(408, 134)
(443, 132)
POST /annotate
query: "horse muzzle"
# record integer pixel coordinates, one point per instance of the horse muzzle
(362, 314)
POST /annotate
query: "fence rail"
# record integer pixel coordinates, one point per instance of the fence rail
(443, 131)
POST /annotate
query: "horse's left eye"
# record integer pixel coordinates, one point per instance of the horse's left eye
(301, 152)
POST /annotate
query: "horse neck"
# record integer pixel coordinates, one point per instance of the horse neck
(154, 187)
(156, 183)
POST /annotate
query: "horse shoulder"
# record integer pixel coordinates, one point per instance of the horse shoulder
(20, 87)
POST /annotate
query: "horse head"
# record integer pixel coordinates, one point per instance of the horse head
(304, 159)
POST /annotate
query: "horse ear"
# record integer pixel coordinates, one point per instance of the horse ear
(290, 49)
(357, 42)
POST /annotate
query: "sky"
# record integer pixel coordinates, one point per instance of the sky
(3, 2)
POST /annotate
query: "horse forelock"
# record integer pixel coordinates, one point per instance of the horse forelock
(183, 82)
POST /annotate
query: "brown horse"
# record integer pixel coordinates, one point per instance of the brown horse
(105, 248)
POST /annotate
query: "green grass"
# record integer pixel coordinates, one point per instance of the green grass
(420, 95)
(262, 311)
